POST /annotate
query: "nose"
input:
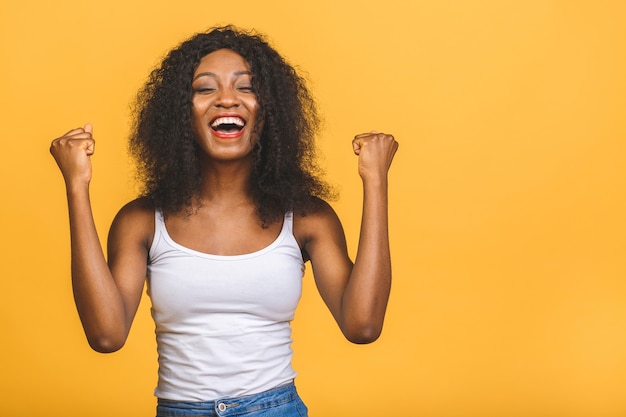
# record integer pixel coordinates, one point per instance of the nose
(226, 98)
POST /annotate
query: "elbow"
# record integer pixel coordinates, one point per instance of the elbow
(105, 344)
(363, 335)
(363, 327)
(105, 337)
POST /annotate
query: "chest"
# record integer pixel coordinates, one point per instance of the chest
(189, 285)
(234, 234)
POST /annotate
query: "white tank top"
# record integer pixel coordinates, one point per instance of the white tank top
(223, 322)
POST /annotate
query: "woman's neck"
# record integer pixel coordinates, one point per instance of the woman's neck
(225, 182)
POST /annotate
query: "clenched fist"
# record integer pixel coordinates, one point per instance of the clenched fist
(72, 153)
(375, 151)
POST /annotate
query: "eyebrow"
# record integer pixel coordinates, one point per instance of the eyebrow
(212, 74)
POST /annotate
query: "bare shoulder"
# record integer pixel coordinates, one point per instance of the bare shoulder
(137, 207)
(130, 238)
(310, 218)
(315, 224)
(140, 210)
(135, 220)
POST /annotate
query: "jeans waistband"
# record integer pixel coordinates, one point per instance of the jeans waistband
(228, 406)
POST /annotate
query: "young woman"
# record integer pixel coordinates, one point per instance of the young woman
(232, 209)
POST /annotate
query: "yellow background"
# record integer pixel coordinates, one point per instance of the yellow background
(507, 198)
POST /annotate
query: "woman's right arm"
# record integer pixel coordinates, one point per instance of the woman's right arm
(107, 295)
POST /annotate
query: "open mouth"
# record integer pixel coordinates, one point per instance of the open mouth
(228, 125)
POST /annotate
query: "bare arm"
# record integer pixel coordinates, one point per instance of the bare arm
(106, 297)
(357, 294)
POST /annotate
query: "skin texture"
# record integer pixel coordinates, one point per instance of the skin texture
(108, 292)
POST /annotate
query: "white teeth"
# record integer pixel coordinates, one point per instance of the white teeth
(228, 121)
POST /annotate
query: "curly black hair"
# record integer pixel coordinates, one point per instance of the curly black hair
(285, 175)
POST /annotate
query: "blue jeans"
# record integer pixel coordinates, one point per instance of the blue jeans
(282, 401)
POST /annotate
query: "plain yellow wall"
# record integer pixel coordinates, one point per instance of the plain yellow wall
(507, 199)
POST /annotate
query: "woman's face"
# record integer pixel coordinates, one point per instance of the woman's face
(225, 108)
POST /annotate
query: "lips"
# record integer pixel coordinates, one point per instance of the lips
(228, 126)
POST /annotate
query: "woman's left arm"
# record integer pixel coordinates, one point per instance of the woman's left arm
(357, 294)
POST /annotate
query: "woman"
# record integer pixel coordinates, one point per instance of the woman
(231, 211)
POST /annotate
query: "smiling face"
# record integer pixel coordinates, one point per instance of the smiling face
(224, 106)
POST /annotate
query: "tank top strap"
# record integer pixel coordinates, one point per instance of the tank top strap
(159, 228)
(288, 222)
(159, 220)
